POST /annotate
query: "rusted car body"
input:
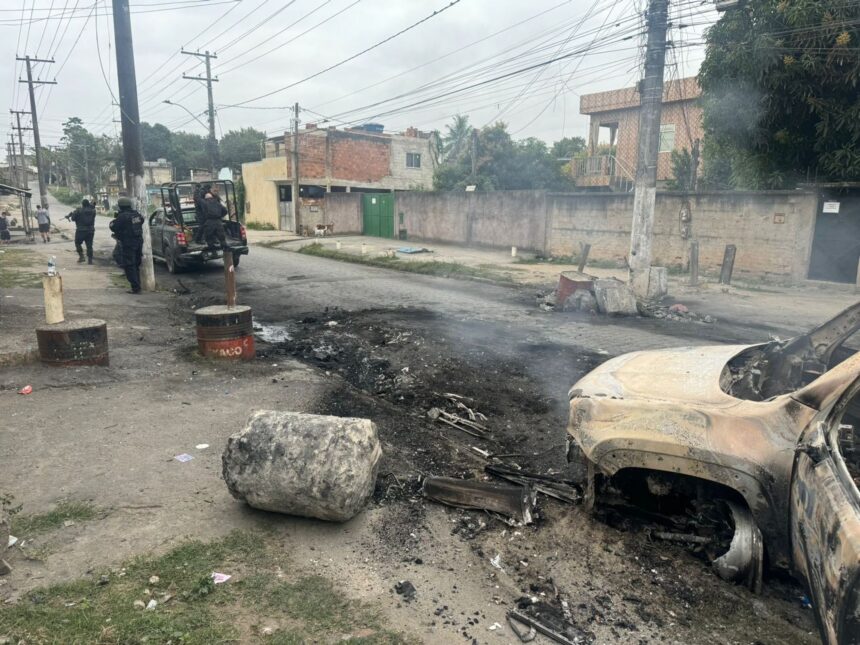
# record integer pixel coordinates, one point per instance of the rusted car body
(770, 426)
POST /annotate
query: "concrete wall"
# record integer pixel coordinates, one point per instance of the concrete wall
(500, 219)
(343, 210)
(261, 190)
(772, 230)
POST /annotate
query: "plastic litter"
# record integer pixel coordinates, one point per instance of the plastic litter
(201, 446)
(27, 389)
(218, 578)
(183, 457)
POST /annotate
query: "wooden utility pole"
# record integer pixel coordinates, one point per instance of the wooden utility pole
(43, 190)
(296, 184)
(645, 186)
(213, 142)
(132, 146)
(25, 181)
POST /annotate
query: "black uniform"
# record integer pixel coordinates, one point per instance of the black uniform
(213, 226)
(85, 227)
(128, 230)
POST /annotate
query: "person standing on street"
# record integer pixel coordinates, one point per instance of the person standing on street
(4, 228)
(44, 222)
(85, 228)
(128, 230)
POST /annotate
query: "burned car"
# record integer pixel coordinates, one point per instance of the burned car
(764, 434)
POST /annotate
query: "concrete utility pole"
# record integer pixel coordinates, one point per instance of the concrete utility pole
(131, 143)
(43, 190)
(645, 191)
(296, 184)
(213, 142)
(474, 153)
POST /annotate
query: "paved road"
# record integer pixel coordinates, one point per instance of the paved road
(281, 284)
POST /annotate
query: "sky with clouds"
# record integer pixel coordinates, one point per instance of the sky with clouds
(525, 63)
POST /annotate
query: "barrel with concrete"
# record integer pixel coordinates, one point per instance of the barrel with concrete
(225, 332)
(73, 342)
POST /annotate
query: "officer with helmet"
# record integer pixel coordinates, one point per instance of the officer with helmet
(128, 230)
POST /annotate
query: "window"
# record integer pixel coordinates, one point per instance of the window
(667, 137)
(413, 159)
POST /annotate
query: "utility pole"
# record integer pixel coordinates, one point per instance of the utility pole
(213, 142)
(25, 181)
(296, 184)
(132, 146)
(650, 112)
(43, 191)
(474, 154)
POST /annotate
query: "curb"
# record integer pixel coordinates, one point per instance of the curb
(19, 357)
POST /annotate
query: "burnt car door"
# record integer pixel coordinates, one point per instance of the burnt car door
(825, 503)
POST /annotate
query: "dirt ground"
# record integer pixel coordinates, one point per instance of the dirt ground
(109, 436)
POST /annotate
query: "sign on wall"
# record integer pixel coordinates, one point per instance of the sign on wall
(831, 207)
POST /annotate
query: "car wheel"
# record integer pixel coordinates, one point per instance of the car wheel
(236, 260)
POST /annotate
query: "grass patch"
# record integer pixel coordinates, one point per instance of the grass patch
(66, 196)
(30, 525)
(119, 280)
(259, 226)
(191, 608)
(16, 269)
(424, 267)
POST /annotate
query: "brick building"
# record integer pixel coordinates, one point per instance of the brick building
(614, 132)
(363, 159)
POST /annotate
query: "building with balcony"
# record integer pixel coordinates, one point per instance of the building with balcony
(613, 134)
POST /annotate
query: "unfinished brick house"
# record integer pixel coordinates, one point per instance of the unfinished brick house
(364, 159)
(614, 131)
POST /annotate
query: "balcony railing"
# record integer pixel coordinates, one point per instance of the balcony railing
(589, 170)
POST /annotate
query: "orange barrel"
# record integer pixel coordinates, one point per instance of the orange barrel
(225, 332)
(73, 342)
(569, 282)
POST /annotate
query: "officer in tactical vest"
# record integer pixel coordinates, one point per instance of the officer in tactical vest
(128, 230)
(85, 228)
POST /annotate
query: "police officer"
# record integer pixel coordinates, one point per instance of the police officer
(85, 228)
(128, 230)
(213, 226)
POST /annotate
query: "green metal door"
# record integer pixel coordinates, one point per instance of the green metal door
(378, 214)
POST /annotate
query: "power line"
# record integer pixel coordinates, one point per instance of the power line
(354, 56)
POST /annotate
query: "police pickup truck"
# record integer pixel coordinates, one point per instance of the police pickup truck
(175, 223)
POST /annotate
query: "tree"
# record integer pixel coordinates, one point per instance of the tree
(456, 139)
(780, 93)
(187, 151)
(241, 146)
(568, 147)
(155, 140)
(682, 170)
(504, 164)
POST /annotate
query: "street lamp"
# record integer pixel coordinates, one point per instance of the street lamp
(194, 116)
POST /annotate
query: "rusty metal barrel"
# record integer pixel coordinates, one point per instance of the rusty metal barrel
(225, 332)
(73, 342)
(569, 282)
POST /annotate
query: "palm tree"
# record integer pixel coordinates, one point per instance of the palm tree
(456, 137)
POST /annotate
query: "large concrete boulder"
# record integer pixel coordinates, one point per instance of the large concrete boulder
(615, 298)
(303, 464)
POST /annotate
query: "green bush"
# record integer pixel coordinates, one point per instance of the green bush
(259, 226)
(67, 196)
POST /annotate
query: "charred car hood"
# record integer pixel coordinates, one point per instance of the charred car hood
(671, 375)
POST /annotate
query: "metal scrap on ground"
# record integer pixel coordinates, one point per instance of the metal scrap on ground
(517, 502)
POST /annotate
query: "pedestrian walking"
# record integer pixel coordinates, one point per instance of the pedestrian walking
(5, 236)
(128, 230)
(44, 222)
(85, 229)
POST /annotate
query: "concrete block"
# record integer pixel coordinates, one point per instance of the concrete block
(615, 297)
(303, 464)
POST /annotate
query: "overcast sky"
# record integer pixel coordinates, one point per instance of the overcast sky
(436, 66)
